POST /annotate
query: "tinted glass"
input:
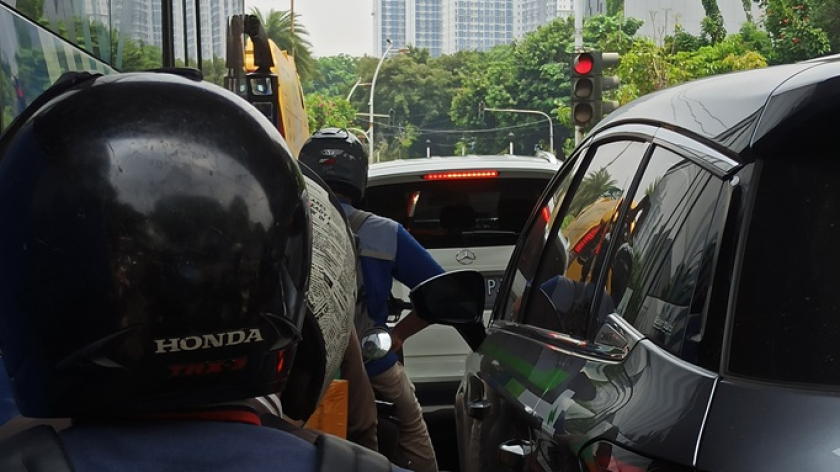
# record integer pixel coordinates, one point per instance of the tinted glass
(569, 264)
(663, 245)
(458, 213)
(31, 59)
(787, 319)
(528, 255)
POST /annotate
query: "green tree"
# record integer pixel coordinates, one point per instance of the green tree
(712, 29)
(325, 112)
(594, 186)
(278, 28)
(139, 56)
(335, 76)
(682, 41)
(615, 7)
(214, 70)
(419, 90)
(648, 67)
(826, 15)
(793, 35)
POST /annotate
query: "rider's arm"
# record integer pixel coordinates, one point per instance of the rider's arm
(412, 265)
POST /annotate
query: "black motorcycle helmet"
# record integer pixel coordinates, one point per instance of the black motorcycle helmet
(339, 158)
(155, 248)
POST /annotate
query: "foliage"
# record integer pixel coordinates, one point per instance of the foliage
(647, 67)
(793, 35)
(755, 39)
(324, 112)
(335, 76)
(615, 7)
(712, 29)
(826, 15)
(214, 70)
(417, 89)
(278, 28)
(532, 74)
(683, 41)
(139, 56)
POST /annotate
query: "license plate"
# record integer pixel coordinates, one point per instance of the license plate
(492, 285)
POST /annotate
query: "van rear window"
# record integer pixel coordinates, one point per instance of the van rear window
(458, 213)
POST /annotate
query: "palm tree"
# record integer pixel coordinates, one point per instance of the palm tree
(278, 28)
(597, 184)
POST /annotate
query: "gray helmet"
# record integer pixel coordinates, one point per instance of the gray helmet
(339, 158)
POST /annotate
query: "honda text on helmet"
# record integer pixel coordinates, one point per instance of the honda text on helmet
(152, 261)
(339, 158)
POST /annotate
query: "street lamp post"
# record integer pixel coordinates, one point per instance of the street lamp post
(353, 89)
(533, 112)
(510, 138)
(372, 88)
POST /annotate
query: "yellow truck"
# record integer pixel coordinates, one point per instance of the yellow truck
(266, 76)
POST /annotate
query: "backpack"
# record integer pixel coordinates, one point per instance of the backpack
(396, 306)
(361, 319)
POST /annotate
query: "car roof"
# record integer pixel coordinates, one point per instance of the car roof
(727, 110)
(507, 165)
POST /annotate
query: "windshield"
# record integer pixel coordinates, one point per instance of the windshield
(459, 213)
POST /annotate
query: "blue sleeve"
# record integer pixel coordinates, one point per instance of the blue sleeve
(413, 264)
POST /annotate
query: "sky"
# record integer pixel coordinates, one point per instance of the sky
(334, 26)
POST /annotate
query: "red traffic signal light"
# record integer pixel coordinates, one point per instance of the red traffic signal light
(588, 85)
(583, 63)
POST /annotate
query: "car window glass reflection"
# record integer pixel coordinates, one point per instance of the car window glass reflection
(531, 249)
(569, 264)
(662, 245)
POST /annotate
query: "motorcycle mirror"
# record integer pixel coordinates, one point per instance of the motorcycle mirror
(452, 298)
(376, 343)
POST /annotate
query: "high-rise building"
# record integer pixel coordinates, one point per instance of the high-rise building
(528, 15)
(426, 26)
(477, 25)
(448, 26)
(390, 22)
(408, 22)
(214, 16)
(565, 8)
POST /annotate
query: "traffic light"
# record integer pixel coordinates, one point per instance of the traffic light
(583, 88)
(588, 85)
(609, 82)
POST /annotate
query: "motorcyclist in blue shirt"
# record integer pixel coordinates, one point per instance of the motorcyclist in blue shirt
(153, 281)
(388, 252)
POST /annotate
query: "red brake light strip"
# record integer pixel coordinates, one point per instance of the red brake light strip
(475, 174)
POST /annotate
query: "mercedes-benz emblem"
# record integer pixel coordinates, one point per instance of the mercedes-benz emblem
(465, 257)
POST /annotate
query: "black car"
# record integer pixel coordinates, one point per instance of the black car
(674, 303)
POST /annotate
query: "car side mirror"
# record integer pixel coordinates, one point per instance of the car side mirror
(452, 298)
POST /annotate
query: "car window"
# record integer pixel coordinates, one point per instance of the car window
(529, 252)
(787, 316)
(564, 288)
(655, 277)
(459, 213)
(32, 62)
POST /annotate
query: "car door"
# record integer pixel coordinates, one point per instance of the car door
(493, 400)
(518, 362)
(646, 408)
(595, 349)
